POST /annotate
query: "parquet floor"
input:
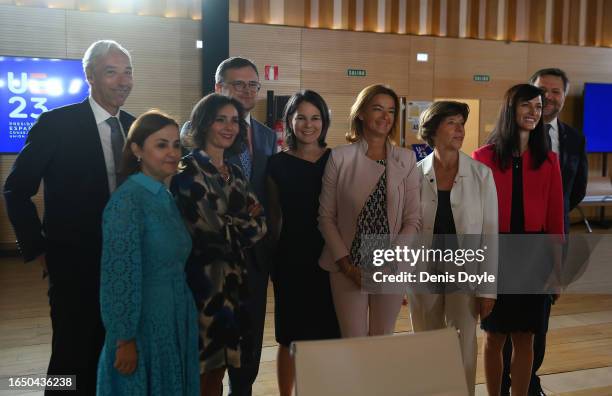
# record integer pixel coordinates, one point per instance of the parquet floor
(578, 358)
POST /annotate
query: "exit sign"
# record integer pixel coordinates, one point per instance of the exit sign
(481, 77)
(356, 73)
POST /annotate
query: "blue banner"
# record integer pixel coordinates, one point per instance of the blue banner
(31, 86)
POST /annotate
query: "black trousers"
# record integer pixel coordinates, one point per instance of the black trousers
(242, 379)
(539, 350)
(78, 333)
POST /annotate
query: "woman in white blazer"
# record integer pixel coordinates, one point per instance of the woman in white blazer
(458, 198)
(370, 187)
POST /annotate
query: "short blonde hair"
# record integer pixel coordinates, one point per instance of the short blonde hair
(363, 99)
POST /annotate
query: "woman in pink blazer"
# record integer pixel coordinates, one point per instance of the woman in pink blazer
(370, 187)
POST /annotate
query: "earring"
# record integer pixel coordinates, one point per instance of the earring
(138, 158)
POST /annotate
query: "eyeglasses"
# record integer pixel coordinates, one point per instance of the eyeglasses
(242, 86)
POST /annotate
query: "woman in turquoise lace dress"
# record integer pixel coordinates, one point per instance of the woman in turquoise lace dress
(147, 308)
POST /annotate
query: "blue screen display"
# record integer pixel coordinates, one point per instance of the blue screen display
(597, 127)
(31, 86)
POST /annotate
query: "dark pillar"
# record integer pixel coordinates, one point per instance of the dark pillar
(215, 38)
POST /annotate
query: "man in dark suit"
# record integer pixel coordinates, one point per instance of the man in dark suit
(76, 151)
(238, 77)
(569, 144)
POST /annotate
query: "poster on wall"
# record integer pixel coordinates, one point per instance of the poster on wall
(413, 112)
(31, 86)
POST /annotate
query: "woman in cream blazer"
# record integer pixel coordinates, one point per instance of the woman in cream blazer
(458, 197)
(370, 187)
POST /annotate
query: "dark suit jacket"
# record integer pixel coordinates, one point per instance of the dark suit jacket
(264, 145)
(64, 150)
(542, 192)
(574, 167)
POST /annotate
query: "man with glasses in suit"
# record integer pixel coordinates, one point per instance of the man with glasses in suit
(238, 77)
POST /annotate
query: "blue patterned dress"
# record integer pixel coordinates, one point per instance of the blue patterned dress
(144, 294)
(217, 216)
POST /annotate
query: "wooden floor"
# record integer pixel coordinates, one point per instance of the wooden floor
(578, 357)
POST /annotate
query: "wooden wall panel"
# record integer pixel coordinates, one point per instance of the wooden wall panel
(43, 35)
(370, 15)
(537, 20)
(452, 18)
(412, 16)
(458, 60)
(574, 22)
(326, 14)
(327, 55)
(606, 34)
(421, 73)
(295, 12)
(254, 42)
(167, 72)
(582, 64)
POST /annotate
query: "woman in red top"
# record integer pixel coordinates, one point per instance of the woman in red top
(530, 200)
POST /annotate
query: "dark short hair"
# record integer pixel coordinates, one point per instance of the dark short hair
(203, 116)
(363, 99)
(235, 62)
(144, 126)
(291, 107)
(551, 71)
(506, 137)
(436, 113)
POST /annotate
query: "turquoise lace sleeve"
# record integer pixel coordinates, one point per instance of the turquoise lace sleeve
(121, 274)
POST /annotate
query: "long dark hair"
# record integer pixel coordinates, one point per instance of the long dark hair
(203, 116)
(506, 136)
(144, 126)
(291, 107)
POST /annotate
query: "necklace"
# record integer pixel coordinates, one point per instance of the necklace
(223, 171)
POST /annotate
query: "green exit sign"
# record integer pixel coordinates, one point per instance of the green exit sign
(481, 77)
(356, 73)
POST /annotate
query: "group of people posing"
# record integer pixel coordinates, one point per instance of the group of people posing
(158, 265)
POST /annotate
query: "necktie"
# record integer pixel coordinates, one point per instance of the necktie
(245, 162)
(548, 139)
(117, 146)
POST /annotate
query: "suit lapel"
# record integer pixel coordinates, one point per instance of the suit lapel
(430, 174)
(562, 143)
(397, 171)
(92, 145)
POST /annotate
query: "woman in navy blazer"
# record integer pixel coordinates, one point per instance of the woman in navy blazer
(530, 200)
(370, 187)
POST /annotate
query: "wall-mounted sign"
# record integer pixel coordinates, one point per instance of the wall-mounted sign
(31, 86)
(271, 72)
(481, 77)
(355, 73)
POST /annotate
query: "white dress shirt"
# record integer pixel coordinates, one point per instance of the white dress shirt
(101, 115)
(554, 135)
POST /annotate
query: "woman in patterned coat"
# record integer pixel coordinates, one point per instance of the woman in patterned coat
(224, 218)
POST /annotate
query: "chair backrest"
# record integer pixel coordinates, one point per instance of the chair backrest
(424, 363)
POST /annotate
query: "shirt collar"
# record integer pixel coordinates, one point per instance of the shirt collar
(100, 114)
(154, 186)
(248, 119)
(554, 125)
